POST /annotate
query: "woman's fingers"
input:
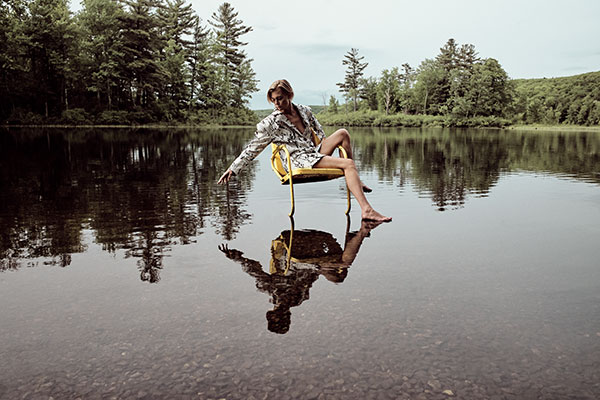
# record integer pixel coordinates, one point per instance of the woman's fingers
(225, 177)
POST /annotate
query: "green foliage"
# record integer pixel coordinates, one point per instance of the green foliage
(380, 119)
(570, 100)
(388, 91)
(468, 91)
(428, 88)
(353, 79)
(20, 116)
(239, 80)
(334, 105)
(113, 118)
(368, 93)
(124, 61)
(76, 116)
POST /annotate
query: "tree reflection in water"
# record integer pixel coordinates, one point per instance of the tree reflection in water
(143, 191)
(298, 258)
(137, 191)
(451, 165)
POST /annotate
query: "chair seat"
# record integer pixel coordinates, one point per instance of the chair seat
(305, 175)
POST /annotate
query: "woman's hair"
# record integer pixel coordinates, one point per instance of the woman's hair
(280, 84)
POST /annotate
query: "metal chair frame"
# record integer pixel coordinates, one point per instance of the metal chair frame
(304, 175)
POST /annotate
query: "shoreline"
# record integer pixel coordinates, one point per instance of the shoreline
(519, 127)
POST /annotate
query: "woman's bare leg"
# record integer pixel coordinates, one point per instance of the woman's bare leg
(354, 184)
(341, 137)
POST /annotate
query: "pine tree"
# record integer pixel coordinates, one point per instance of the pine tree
(141, 45)
(203, 70)
(102, 51)
(50, 33)
(354, 72)
(238, 78)
(176, 23)
(15, 88)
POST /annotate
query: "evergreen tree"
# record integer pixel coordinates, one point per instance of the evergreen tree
(141, 46)
(244, 83)
(460, 77)
(354, 72)
(176, 24)
(203, 74)
(237, 77)
(50, 34)
(15, 89)
(102, 50)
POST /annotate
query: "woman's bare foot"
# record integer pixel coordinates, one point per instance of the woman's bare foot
(372, 215)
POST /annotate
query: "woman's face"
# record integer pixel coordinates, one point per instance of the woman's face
(281, 100)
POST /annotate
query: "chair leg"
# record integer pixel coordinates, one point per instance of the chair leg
(348, 192)
(292, 198)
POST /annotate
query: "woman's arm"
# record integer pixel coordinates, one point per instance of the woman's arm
(263, 137)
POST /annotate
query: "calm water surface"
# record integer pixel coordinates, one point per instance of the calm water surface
(126, 272)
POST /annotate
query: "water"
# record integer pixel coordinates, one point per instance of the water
(127, 273)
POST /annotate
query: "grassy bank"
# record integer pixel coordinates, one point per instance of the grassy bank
(119, 118)
(359, 119)
(379, 119)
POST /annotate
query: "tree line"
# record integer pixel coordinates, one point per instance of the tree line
(459, 87)
(122, 61)
(570, 100)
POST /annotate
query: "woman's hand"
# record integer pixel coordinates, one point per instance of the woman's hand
(226, 177)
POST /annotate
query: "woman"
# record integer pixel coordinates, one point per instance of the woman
(291, 124)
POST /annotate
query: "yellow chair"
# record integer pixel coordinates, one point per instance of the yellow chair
(304, 175)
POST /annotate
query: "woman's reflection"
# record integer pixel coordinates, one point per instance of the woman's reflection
(298, 258)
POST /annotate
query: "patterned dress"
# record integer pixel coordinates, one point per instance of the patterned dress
(277, 129)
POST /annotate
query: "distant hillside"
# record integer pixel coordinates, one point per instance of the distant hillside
(571, 99)
(265, 112)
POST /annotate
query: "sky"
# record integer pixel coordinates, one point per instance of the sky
(305, 41)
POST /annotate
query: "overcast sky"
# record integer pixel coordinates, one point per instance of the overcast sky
(305, 41)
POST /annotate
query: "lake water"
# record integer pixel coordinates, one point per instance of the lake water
(126, 272)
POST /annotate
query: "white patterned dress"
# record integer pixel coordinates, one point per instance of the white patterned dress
(277, 129)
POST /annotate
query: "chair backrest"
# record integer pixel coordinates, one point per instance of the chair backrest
(316, 140)
(276, 163)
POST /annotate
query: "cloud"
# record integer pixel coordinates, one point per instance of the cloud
(323, 50)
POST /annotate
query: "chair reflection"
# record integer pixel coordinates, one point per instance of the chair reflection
(298, 259)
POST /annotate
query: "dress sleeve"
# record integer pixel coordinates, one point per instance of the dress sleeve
(263, 137)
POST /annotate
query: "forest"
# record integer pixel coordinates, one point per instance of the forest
(458, 88)
(122, 62)
(132, 62)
